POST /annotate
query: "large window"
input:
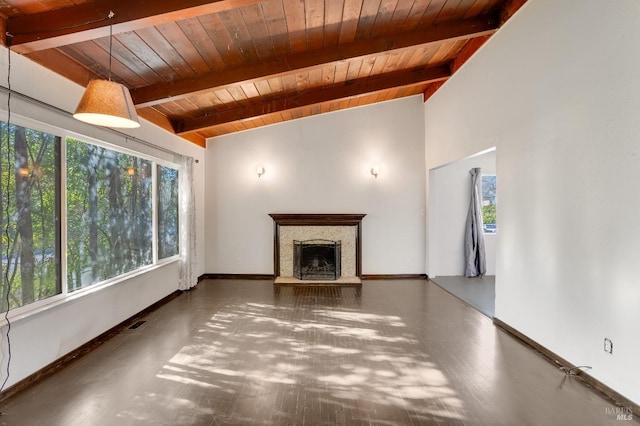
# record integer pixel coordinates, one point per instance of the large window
(110, 202)
(489, 200)
(168, 229)
(109, 213)
(30, 207)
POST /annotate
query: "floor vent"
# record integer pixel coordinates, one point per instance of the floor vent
(136, 325)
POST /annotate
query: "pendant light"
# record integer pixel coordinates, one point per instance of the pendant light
(107, 103)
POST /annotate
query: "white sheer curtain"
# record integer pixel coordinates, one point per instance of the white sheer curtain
(188, 278)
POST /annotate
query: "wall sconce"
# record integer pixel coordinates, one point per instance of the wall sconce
(375, 171)
(260, 170)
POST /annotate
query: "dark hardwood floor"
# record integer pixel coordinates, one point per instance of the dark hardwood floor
(234, 352)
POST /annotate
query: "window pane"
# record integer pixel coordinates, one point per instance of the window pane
(489, 203)
(109, 213)
(30, 208)
(168, 231)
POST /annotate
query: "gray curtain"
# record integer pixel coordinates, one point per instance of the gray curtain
(475, 261)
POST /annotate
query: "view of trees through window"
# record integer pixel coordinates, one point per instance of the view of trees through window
(30, 207)
(168, 209)
(489, 203)
(109, 205)
(109, 213)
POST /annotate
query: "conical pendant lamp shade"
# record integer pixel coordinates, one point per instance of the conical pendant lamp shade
(107, 103)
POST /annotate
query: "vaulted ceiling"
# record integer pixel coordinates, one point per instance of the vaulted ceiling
(206, 68)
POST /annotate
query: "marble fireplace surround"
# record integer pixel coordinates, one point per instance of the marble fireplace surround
(308, 226)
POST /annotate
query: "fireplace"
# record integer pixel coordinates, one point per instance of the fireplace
(317, 259)
(293, 228)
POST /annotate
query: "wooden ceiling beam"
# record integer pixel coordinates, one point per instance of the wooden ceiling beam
(87, 21)
(467, 51)
(431, 90)
(351, 89)
(509, 8)
(362, 49)
(64, 65)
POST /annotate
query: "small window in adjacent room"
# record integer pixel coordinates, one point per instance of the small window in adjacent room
(489, 204)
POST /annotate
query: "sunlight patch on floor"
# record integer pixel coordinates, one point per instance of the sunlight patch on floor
(140, 412)
(281, 350)
(186, 380)
(367, 318)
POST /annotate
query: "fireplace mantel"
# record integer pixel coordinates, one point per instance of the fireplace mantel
(316, 219)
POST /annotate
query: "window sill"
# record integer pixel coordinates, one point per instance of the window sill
(42, 306)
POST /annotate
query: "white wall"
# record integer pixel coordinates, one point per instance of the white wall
(450, 190)
(556, 90)
(41, 338)
(321, 164)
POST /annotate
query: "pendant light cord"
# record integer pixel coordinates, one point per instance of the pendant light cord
(5, 277)
(110, 16)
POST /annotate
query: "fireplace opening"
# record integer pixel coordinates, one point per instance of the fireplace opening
(316, 259)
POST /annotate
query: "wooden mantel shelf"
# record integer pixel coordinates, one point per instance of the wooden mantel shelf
(316, 219)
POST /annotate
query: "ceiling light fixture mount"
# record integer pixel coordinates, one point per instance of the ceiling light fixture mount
(105, 102)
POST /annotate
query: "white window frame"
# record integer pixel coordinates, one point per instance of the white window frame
(64, 296)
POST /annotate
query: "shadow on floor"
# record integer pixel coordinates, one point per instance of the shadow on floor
(479, 293)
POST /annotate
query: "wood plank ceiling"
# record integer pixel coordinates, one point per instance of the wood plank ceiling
(207, 68)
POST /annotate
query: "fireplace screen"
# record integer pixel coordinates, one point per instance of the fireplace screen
(316, 259)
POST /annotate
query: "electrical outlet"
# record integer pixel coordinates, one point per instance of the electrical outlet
(608, 346)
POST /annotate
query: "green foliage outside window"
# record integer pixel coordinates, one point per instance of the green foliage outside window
(489, 214)
(30, 209)
(109, 214)
(168, 228)
(489, 201)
